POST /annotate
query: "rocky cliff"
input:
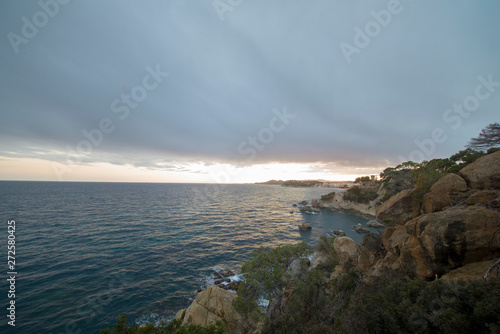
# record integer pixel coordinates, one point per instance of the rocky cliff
(453, 233)
(338, 202)
(457, 224)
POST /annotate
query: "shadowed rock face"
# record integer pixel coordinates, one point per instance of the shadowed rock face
(400, 208)
(434, 244)
(447, 236)
(484, 173)
(444, 193)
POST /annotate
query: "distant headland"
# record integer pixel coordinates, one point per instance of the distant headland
(309, 183)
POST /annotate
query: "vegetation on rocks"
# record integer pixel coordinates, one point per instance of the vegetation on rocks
(173, 327)
(266, 276)
(312, 302)
(360, 195)
(328, 197)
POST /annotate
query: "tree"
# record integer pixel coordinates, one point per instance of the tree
(488, 138)
(266, 276)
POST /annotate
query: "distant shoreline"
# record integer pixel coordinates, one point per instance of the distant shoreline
(309, 184)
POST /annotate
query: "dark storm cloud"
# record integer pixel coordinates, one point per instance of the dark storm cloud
(225, 78)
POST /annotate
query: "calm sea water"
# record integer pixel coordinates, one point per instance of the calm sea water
(88, 252)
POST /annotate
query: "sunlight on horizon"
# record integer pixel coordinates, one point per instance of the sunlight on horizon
(30, 169)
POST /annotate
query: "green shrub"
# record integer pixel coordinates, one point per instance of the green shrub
(173, 327)
(360, 195)
(266, 276)
(328, 197)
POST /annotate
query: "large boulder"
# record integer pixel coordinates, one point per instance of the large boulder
(394, 238)
(319, 259)
(483, 197)
(442, 241)
(444, 193)
(400, 208)
(212, 305)
(484, 173)
(347, 249)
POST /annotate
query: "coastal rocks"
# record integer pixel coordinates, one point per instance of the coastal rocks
(223, 273)
(360, 229)
(339, 203)
(483, 197)
(471, 271)
(375, 224)
(305, 227)
(483, 173)
(319, 259)
(212, 305)
(309, 209)
(399, 209)
(347, 249)
(444, 193)
(224, 279)
(339, 233)
(434, 244)
(394, 238)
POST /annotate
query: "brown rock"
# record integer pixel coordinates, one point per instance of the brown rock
(180, 315)
(212, 305)
(442, 241)
(444, 193)
(393, 238)
(399, 209)
(347, 249)
(305, 227)
(471, 271)
(484, 173)
(482, 197)
(234, 285)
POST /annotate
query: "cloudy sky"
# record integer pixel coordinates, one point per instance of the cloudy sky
(240, 90)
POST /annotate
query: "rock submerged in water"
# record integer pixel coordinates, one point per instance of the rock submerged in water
(305, 227)
(360, 229)
(223, 273)
(309, 209)
(339, 233)
(223, 280)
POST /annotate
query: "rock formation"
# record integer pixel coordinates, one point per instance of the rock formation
(444, 193)
(399, 209)
(448, 235)
(212, 305)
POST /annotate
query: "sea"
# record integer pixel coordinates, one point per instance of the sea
(86, 252)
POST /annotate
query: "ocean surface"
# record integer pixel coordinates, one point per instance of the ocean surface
(88, 252)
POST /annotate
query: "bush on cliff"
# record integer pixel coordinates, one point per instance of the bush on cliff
(266, 277)
(173, 327)
(310, 302)
(328, 197)
(360, 195)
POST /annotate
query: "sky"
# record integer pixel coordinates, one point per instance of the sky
(236, 91)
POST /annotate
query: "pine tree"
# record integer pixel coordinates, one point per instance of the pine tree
(488, 138)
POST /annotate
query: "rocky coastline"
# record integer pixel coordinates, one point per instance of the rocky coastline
(452, 233)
